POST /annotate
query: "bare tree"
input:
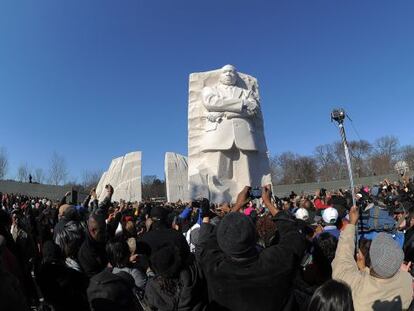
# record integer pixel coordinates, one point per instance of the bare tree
(407, 154)
(330, 159)
(4, 162)
(152, 187)
(360, 151)
(148, 179)
(385, 155)
(58, 171)
(23, 172)
(90, 178)
(306, 168)
(292, 168)
(39, 175)
(387, 145)
(275, 170)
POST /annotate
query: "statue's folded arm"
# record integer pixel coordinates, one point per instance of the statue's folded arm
(213, 103)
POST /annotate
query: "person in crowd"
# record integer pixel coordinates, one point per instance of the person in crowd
(319, 269)
(66, 214)
(330, 219)
(409, 237)
(382, 286)
(92, 255)
(121, 259)
(332, 296)
(266, 230)
(70, 239)
(176, 285)
(109, 291)
(158, 233)
(233, 267)
(251, 255)
(62, 287)
(302, 214)
(11, 292)
(321, 199)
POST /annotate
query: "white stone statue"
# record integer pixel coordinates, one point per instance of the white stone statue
(124, 174)
(227, 148)
(176, 177)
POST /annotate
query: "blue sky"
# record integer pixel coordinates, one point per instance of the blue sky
(95, 79)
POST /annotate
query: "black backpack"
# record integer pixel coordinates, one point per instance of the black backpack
(110, 291)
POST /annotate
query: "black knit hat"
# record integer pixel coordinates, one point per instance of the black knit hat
(159, 213)
(236, 235)
(166, 261)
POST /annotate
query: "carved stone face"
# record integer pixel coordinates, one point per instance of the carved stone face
(228, 76)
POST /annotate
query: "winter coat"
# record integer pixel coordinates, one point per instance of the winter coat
(156, 238)
(92, 256)
(189, 292)
(262, 282)
(369, 292)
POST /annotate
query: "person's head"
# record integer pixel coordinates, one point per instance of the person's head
(97, 227)
(307, 204)
(130, 229)
(332, 296)
(228, 75)
(386, 256)
(330, 216)
(266, 229)
(15, 217)
(118, 253)
(166, 261)
(302, 214)
(70, 238)
(159, 217)
(236, 235)
(324, 248)
(410, 218)
(68, 212)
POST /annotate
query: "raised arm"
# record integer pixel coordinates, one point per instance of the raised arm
(344, 266)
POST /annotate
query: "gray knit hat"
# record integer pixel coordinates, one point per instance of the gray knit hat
(386, 255)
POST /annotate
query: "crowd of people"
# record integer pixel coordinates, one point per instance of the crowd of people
(300, 252)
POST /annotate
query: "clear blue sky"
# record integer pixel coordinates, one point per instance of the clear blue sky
(95, 79)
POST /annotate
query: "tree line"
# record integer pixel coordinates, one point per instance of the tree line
(57, 172)
(327, 163)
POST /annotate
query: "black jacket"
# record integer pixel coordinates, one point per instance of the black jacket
(189, 294)
(63, 287)
(262, 282)
(156, 238)
(92, 256)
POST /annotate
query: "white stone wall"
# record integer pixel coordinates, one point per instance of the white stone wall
(124, 174)
(176, 177)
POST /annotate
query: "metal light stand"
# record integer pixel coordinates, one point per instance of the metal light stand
(338, 115)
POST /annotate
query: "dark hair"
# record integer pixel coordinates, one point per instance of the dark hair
(118, 253)
(266, 229)
(364, 246)
(332, 296)
(324, 248)
(70, 238)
